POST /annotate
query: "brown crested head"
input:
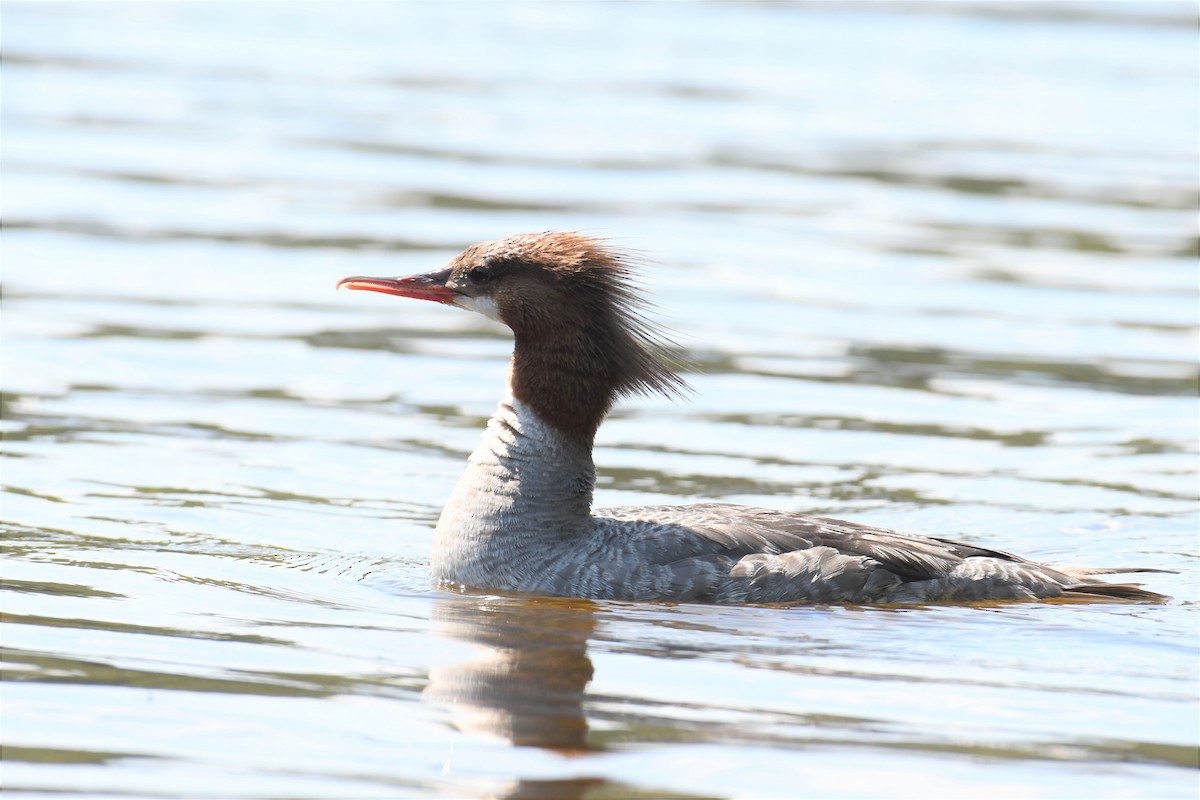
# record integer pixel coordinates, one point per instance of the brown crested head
(570, 299)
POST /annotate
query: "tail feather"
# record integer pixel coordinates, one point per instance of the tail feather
(1116, 591)
(1083, 571)
(1094, 589)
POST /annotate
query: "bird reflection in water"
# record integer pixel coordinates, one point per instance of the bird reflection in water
(527, 685)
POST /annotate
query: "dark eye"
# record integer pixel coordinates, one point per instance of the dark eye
(479, 274)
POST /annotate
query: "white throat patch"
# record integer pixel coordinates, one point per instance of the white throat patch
(480, 305)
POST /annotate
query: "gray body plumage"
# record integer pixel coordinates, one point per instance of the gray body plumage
(520, 520)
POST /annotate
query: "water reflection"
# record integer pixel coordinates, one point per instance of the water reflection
(527, 685)
(528, 682)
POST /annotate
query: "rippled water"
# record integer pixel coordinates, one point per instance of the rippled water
(936, 266)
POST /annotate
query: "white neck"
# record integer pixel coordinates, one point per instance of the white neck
(526, 491)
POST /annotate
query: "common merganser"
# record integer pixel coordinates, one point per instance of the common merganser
(521, 520)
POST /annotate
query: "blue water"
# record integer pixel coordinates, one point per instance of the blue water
(935, 265)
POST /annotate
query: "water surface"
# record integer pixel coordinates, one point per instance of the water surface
(934, 266)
